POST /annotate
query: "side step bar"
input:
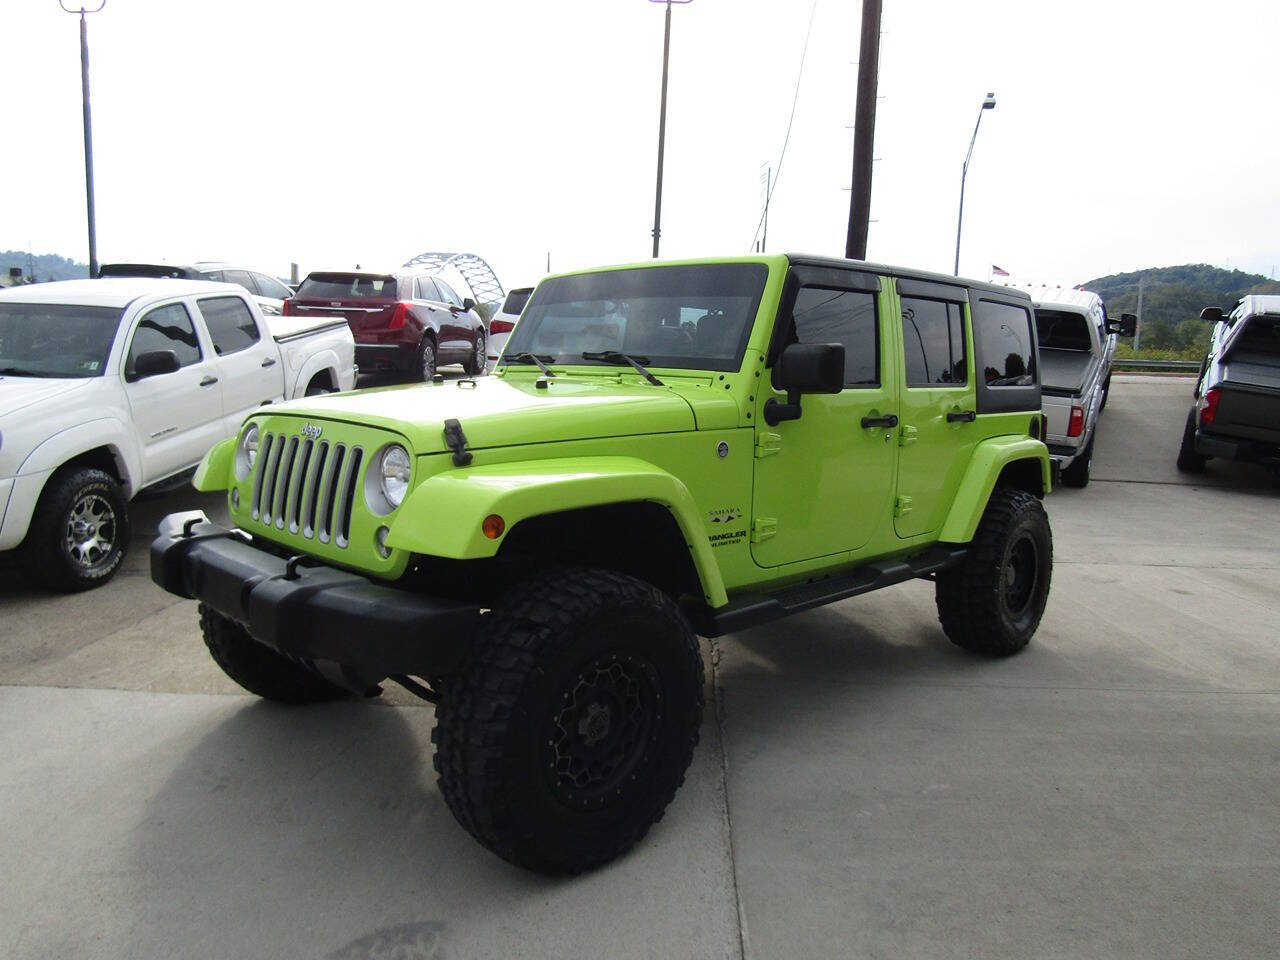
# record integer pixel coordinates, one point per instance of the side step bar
(754, 609)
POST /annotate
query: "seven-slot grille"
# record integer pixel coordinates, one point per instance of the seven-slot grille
(307, 486)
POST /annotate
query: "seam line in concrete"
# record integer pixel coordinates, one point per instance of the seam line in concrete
(717, 697)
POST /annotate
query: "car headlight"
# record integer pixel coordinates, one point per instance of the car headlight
(247, 452)
(393, 472)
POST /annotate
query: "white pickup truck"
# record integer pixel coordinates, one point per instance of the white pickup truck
(109, 387)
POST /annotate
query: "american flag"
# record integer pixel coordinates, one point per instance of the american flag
(998, 271)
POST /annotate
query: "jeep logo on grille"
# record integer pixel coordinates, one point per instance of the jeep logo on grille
(311, 431)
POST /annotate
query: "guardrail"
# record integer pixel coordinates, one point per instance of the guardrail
(1152, 366)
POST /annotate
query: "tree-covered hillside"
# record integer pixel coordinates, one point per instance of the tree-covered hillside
(48, 266)
(1173, 297)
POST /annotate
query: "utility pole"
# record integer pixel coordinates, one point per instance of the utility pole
(864, 131)
(88, 130)
(1137, 327)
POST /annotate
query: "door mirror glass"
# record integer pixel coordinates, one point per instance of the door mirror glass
(154, 363)
(812, 368)
(468, 304)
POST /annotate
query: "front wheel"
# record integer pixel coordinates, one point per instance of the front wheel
(259, 669)
(573, 721)
(80, 531)
(993, 603)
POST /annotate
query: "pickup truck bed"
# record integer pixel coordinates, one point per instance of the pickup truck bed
(1065, 372)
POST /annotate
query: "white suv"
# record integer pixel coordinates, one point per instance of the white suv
(504, 321)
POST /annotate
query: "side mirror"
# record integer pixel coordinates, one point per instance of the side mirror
(152, 364)
(805, 368)
(468, 303)
(1212, 314)
(1126, 326)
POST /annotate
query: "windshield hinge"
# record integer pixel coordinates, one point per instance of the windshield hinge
(907, 435)
(456, 440)
(768, 444)
(763, 528)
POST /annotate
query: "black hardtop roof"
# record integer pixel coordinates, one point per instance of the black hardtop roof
(909, 273)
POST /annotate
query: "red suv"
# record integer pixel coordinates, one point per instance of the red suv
(410, 322)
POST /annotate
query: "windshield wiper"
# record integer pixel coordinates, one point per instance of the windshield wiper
(531, 358)
(613, 356)
(19, 372)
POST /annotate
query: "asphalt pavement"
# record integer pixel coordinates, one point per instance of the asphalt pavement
(862, 789)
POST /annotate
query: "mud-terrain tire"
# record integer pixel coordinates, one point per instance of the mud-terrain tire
(426, 359)
(992, 604)
(258, 669)
(1188, 460)
(1077, 475)
(573, 720)
(479, 360)
(79, 534)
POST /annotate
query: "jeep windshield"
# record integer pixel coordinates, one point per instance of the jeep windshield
(682, 317)
(55, 339)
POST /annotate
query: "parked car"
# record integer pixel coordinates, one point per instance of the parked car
(268, 291)
(543, 546)
(406, 321)
(1236, 414)
(1077, 344)
(109, 387)
(504, 321)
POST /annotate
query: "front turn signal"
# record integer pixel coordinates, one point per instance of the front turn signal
(493, 526)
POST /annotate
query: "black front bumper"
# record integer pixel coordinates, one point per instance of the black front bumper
(320, 615)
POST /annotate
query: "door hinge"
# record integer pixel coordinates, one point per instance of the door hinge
(763, 528)
(907, 435)
(902, 506)
(768, 444)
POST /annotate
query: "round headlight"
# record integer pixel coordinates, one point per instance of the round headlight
(247, 452)
(393, 470)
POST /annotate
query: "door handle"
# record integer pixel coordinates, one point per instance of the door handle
(888, 421)
(962, 416)
(208, 381)
(268, 361)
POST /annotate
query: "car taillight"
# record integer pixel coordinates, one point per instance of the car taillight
(1209, 405)
(1076, 426)
(287, 308)
(400, 317)
(500, 326)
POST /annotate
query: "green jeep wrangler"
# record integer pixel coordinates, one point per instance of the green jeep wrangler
(665, 450)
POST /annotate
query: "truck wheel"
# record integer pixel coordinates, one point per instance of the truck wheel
(476, 365)
(1188, 460)
(427, 359)
(79, 534)
(1077, 475)
(573, 720)
(1106, 392)
(258, 669)
(993, 603)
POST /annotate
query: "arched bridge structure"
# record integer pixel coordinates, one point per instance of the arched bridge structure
(479, 275)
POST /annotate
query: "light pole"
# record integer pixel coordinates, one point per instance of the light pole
(88, 129)
(988, 103)
(662, 125)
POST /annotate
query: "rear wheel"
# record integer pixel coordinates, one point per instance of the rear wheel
(475, 366)
(573, 721)
(259, 669)
(427, 359)
(1188, 460)
(80, 531)
(1077, 475)
(993, 603)
(1106, 392)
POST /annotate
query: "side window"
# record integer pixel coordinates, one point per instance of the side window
(270, 287)
(427, 290)
(240, 277)
(846, 317)
(231, 325)
(165, 328)
(933, 343)
(214, 275)
(447, 292)
(1003, 340)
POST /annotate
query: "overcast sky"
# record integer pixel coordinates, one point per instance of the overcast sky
(1128, 133)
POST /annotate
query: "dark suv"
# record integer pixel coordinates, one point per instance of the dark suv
(403, 321)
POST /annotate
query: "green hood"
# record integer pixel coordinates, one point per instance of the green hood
(499, 412)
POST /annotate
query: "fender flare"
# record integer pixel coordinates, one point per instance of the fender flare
(321, 361)
(989, 458)
(215, 470)
(442, 516)
(83, 437)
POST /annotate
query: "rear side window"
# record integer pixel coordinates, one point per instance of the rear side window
(165, 328)
(1005, 344)
(348, 286)
(933, 343)
(231, 325)
(846, 317)
(1062, 330)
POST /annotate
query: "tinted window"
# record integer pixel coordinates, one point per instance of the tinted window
(1062, 330)
(845, 317)
(240, 277)
(269, 287)
(447, 292)
(1003, 341)
(692, 317)
(214, 275)
(165, 328)
(516, 300)
(427, 290)
(348, 286)
(55, 340)
(230, 323)
(933, 342)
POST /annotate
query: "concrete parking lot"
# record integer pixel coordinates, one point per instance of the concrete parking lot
(863, 788)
